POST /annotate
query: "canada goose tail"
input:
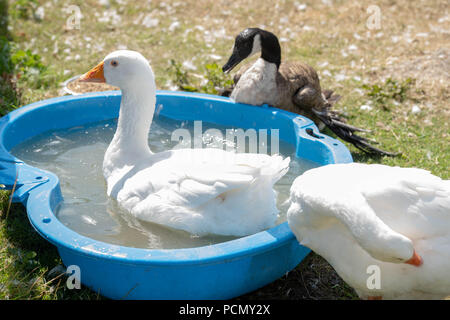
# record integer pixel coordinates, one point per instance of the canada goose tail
(346, 132)
(331, 97)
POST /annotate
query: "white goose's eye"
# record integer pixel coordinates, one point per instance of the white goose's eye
(114, 63)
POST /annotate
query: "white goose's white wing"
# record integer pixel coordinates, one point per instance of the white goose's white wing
(412, 201)
(202, 192)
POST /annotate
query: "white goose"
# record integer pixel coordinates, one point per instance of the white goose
(201, 191)
(396, 219)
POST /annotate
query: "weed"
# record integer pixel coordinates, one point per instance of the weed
(214, 78)
(23, 8)
(181, 76)
(30, 70)
(21, 69)
(383, 94)
(27, 63)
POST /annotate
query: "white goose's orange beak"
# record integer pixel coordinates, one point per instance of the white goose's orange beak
(94, 75)
(415, 260)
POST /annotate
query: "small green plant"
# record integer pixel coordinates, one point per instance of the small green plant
(21, 69)
(23, 8)
(182, 79)
(215, 78)
(391, 89)
(31, 71)
(27, 64)
(17, 61)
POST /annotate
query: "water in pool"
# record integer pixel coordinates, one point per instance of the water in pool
(75, 155)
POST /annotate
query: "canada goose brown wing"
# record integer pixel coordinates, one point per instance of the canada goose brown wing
(299, 89)
(299, 75)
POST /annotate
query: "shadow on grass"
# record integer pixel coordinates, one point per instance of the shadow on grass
(30, 258)
(313, 279)
(20, 234)
(366, 157)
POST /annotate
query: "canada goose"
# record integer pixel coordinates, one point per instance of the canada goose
(292, 86)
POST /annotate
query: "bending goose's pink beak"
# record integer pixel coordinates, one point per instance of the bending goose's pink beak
(416, 260)
(94, 75)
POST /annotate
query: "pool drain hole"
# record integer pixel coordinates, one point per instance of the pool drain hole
(312, 134)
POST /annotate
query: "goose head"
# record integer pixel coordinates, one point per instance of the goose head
(132, 73)
(394, 248)
(251, 41)
(123, 69)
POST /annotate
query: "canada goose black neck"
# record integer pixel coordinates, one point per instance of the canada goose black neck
(270, 47)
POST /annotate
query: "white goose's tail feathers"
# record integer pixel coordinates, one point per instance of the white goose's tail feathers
(277, 168)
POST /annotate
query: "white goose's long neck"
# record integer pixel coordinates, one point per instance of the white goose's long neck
(372, 234)
(130, 142)
(135, 117)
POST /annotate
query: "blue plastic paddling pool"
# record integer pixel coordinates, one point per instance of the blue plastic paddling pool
(218, 271)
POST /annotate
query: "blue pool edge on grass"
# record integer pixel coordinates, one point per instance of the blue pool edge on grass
(219, 271)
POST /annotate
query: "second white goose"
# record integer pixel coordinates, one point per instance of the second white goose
(385, 230)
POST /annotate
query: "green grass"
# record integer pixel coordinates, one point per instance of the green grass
(36, 56)
(23, 9)
(420, 138)
(26, 259)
